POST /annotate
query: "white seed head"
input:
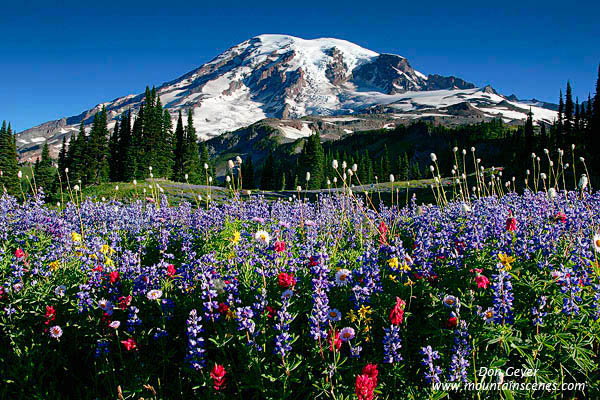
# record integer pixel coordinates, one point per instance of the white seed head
(433, 157)
(150, 168)
(66, 170)
(238, 160)
(354, 167)
(205, 166)
(344, 165)
(20, 174)
(228, 178)
(334, 164)
(134, 182)
(307, 176)
(455, 149)
(210, 179)
(230, 164)
(299, 188)
(117, 188)
(473, 149)
(391, 177)
(76, 188)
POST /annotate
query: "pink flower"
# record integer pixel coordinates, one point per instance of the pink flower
(279, 246)
(334, 340)
(397, 313)
(171, 270)
(218, 376)
(129, 344)
(511, 223)
(114, 276)
(19, 253)
(286, 280)
(482, 281)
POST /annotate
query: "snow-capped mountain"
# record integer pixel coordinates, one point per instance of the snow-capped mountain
(279, 76)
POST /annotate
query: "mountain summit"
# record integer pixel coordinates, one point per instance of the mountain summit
(280, 76)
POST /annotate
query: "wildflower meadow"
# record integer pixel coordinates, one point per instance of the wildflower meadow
(343, 297)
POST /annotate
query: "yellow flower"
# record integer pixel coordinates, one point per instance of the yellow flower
(236, 237)
(405, 267)
(106, 249)
(76, 237)
(230, 315)
(506, 260)
(54, 265)
(409, 282)
(352, 316)
(109, 262)
(364, 311)
(393, 263)
(392, 278)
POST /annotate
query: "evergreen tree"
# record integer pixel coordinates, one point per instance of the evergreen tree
(311, 160)
(179, 150)
(114, 164)
(191, 160)
(267, 181)
(205, 161)
(44, 171)
(560, 120)
(166, 144)
(126, 153)
(569, 110)
(77, 157)
(97, 170)
(248, 174)
(528, 134)
(9, 180)
(62, 160)
(576, 119)
(136, 169)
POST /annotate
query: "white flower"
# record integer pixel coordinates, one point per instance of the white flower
(205, 166)
(342, 277)
(66, 170)
(307, 176)
(115, 324)
(134, 182)
(334, 179)
(230, 164)
(56, 332)
(581, 159)
(238, 159)
(354, 167)
(546, 151)
(573, 146)
(262, 237)
(151, 175)
(150, 168)
(219, 285)
(392, 178)
(334, 315)
(299, 188)
(228, 178)
(350, 173)
(473, 149)
(433, 157)
(464, 152)
(583, 182)
(186, 176)
(76, 188)
(344, 165)
(596, 243)
(117, 188)
(210, 179)
(20, 174)
(154, 294)
(334, 164)
(455, 149)
(543, 176)
(552, 193)
(431, 168)
(328, 182)
(466, 208)
(60, 290)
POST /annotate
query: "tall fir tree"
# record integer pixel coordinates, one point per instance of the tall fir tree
(77, 157)
(191, 160)
(44, 172)
(9, 180)
(569, 109)
(125, 155)
(311, 160)
(114, 162)
(267, 181)
(179, 150)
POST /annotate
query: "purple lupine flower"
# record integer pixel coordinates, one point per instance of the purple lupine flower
(320, 309)
(391, 345)
(569, 285)
(596, 303)
(283, 340)
(461, 352)
(432, 373)
(503, 298)
(195, 348)
(538, 312)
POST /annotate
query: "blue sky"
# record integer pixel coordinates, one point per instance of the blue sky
(58, 58)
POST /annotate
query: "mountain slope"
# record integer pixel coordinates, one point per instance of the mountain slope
(279, 76)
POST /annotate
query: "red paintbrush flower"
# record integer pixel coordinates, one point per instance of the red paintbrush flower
(279, 246)
(129, 344)
(19, 253)
(511, 223)
(397, 313)
(114, 276)
(223, 308)
(286, 280)
(124, 302)
(366, 382)
(171, 270)
(50, 314)
(218, 376)
(336, 341)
